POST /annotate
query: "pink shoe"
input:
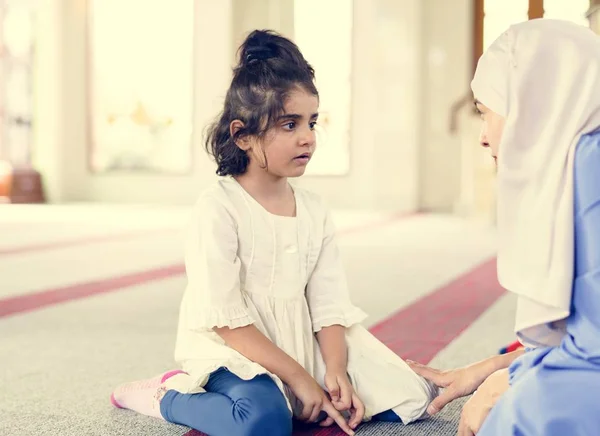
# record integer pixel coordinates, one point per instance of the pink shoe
(142, 396)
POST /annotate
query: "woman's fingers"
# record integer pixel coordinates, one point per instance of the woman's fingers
(431, 374)
(442, 400)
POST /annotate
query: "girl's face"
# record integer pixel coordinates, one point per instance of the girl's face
(288, 146)
(491, 130)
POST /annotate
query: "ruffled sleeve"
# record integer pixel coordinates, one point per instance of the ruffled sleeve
(327, 291)
(213, 296)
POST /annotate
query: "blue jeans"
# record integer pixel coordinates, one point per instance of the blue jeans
(235, 407)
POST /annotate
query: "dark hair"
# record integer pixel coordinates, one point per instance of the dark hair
(269, 68)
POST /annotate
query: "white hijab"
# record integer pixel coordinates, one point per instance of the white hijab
(543, 76)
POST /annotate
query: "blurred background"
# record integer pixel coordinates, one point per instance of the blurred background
(103, 106)
(107, 99)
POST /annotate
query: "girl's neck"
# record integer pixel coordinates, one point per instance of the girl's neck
(272, 192)
(261, 184)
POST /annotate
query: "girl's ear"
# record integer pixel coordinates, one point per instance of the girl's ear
(234, 127)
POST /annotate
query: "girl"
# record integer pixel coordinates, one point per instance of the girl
(538, 90)
(267, 330)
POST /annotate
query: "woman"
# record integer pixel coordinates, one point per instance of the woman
(538, 90)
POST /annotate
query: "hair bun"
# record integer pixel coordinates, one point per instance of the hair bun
(260, 45)
(263, 45)
(258, 53)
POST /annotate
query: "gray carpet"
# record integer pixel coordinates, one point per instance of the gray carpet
(445, 424)
(124, 423)
(60, 364)
(62, 378)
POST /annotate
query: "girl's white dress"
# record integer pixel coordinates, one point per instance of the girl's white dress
(285, 276)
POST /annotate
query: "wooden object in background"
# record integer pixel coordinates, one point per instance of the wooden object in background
(26, 186)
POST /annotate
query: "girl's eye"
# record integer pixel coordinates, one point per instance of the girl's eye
(313, 124)
(289, 126)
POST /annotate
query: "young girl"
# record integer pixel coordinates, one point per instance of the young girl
(267, 330)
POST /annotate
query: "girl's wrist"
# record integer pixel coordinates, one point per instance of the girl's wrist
(336, 367)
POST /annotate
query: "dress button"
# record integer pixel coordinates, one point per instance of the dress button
(291, 249)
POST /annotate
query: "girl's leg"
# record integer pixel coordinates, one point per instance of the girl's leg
(231, 407)
(387, 416)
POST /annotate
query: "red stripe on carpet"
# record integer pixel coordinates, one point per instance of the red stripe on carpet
(29, 302)
(421, 330)
(82, 241)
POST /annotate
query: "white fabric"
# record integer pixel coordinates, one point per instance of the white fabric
(543, 76)
(284, 275)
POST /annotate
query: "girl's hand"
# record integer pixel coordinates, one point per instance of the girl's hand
(314, 400)
(343, 397)
(457, 382)
(478, 407)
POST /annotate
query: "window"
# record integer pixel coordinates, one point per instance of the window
(141, 73)
(492, 17)
(331, 58)
(16, 60)
(499, 15)
(572, 10)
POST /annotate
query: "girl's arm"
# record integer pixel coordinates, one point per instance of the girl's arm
(255, 346)
(332, 341)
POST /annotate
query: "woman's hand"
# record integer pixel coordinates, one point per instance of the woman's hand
(314, 400)
(343, 397)
(464, 381)
(476, 410)
(457, 382)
